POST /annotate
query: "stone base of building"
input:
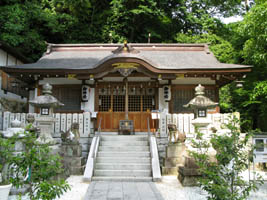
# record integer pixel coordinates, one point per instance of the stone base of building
(188, 174)
(188, 177)
(162, 142)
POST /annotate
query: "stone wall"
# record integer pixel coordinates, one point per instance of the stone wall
(162, 143)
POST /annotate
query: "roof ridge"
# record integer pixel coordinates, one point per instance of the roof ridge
(132, 44)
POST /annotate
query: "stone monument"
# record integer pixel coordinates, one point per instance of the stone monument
(71, 151)
(175, 151)
(46, 103)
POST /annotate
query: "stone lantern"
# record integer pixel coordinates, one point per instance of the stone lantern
(200, 104)
(46, 103)
(188, 173)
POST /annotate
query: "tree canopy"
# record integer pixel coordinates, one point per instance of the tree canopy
(29, 24)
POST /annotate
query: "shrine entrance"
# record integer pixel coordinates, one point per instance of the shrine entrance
(121, 100)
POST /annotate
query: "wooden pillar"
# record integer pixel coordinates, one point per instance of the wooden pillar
(126, 98)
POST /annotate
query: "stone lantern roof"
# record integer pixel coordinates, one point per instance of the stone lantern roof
(46, 100)
(200, 101)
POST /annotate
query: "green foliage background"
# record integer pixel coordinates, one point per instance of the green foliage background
(28, 24)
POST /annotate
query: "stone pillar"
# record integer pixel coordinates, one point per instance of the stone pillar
(32, 95)
(45, 123)
(73, 162)
(126, 98)
(175, 156)
(163, 124)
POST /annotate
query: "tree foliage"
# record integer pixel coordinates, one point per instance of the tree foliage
(28, 24)
(222, 49)
(40, 166)
(222, 175)
(249, 39)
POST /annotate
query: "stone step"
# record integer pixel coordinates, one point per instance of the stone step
(133, 173)
(106, 133)
(122, 179)
(123, 154)
(123, 148)
(123, 166)
(124, 138)
(124, 143)
(145, 160)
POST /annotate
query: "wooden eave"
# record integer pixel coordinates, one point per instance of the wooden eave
(29, 75)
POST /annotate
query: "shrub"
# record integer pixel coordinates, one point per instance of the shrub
(221, 177)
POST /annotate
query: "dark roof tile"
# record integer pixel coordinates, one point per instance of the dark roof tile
(160, 56)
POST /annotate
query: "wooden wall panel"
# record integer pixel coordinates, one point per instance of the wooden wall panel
(111, 120)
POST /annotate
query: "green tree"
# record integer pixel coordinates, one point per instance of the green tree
(249, 38)
(132, 20)
(6, 158)
(41, 167)
(28, 24)
(221, 175)
(222, 49)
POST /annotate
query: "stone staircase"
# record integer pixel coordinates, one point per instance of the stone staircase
(123, 158)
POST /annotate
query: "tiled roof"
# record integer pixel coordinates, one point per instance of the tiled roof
(160, 56)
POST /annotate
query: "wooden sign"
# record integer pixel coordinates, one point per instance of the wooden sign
(71, 76)
(179, 76)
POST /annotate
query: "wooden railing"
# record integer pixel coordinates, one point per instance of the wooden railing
(63, 121)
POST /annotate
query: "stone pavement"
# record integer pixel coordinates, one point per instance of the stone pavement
(104, 190)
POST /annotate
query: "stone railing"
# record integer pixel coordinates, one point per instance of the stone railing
(63, 121)
(184, 121)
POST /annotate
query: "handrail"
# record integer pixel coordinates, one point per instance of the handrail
(99, 126)
(89, 169)
(148, 127)
(156, 175)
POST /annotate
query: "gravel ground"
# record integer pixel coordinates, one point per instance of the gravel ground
(170, 189)
(77, 192)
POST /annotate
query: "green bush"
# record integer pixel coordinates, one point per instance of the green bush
(221, 176)
(6, 157)
(40, 167)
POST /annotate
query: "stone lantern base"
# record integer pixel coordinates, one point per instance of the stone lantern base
(45, 123)
(201, 124)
